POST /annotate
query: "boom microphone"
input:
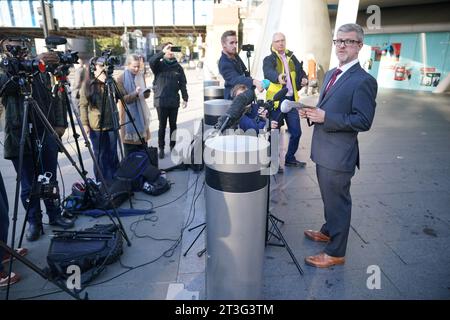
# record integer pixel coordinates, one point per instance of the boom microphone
(235, 111)
(54, 41)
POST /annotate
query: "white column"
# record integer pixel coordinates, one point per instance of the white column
(347, 13)
(306, 25)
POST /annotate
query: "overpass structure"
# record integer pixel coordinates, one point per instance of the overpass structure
(93, 18)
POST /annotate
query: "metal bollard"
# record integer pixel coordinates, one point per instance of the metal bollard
(212, 110)
(236, 198)
(212, 92)
(209, 83)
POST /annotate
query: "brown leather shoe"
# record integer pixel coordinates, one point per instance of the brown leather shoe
(316, 236)
(322, 260)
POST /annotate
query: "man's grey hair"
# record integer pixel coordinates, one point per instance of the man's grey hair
(350, 27)
(131, 58)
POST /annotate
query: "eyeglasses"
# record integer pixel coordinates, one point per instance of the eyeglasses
(347, 42)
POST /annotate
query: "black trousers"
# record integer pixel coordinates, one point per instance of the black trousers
(163, 115)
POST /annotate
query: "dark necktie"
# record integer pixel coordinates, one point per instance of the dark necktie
(332, 80)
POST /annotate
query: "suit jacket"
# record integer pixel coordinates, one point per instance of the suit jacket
(349, 108)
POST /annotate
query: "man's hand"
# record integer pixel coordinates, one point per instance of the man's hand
(316, 115)
(138, 90)
(302, 113)
(304, 82)
(184, 104)
(262, 112)
(258, 85)
(282, 79)
(167, 48)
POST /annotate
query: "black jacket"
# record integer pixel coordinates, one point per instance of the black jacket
(169, 79)
(234, 72)
(53, 107)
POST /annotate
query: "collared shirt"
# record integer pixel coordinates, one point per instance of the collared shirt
(288, 75)
(345, 67)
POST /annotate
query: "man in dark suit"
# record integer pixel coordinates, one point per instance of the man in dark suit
(232, 68)
(346, 106)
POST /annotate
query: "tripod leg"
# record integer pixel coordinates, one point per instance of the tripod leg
(196, 238)
(294, 259)
(50, 129)
(36, 269)
(69, 102)
(197, 226)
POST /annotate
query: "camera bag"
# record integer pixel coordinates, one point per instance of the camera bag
(90, 249)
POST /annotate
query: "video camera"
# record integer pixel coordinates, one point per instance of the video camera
(13, 60)
(248, 47)
(267, 105)
(66, 59)
(108, 61)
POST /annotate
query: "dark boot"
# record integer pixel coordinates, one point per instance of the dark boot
(60, 221)
(34, 231)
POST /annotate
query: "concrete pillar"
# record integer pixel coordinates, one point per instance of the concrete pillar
(347, 13)
(226, 17)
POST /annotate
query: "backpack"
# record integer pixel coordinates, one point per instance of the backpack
(90, 249)
(157, 187)
(93, 196)
(135, 169)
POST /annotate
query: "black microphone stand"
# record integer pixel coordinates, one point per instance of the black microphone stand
(272, 218)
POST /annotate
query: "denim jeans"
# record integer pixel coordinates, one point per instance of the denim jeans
(48, 160)
(105, 150)
(293, 123)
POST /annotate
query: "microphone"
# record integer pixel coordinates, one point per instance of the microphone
(307, 102)
(235, 111)
(53, 41)
(265, 84)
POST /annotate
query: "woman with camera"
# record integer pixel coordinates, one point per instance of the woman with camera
(131, 84)
(169, 80)
(97, 118)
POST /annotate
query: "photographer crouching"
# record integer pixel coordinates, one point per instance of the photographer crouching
(39, 158)
(256, 115)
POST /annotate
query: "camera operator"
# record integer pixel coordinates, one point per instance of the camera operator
(256, 116)
(97, 120)
(169, 80)
(55, 112)
(232, 68)
(131, 84)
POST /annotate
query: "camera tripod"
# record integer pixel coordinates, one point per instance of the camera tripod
(30, 110)
(273, 230)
